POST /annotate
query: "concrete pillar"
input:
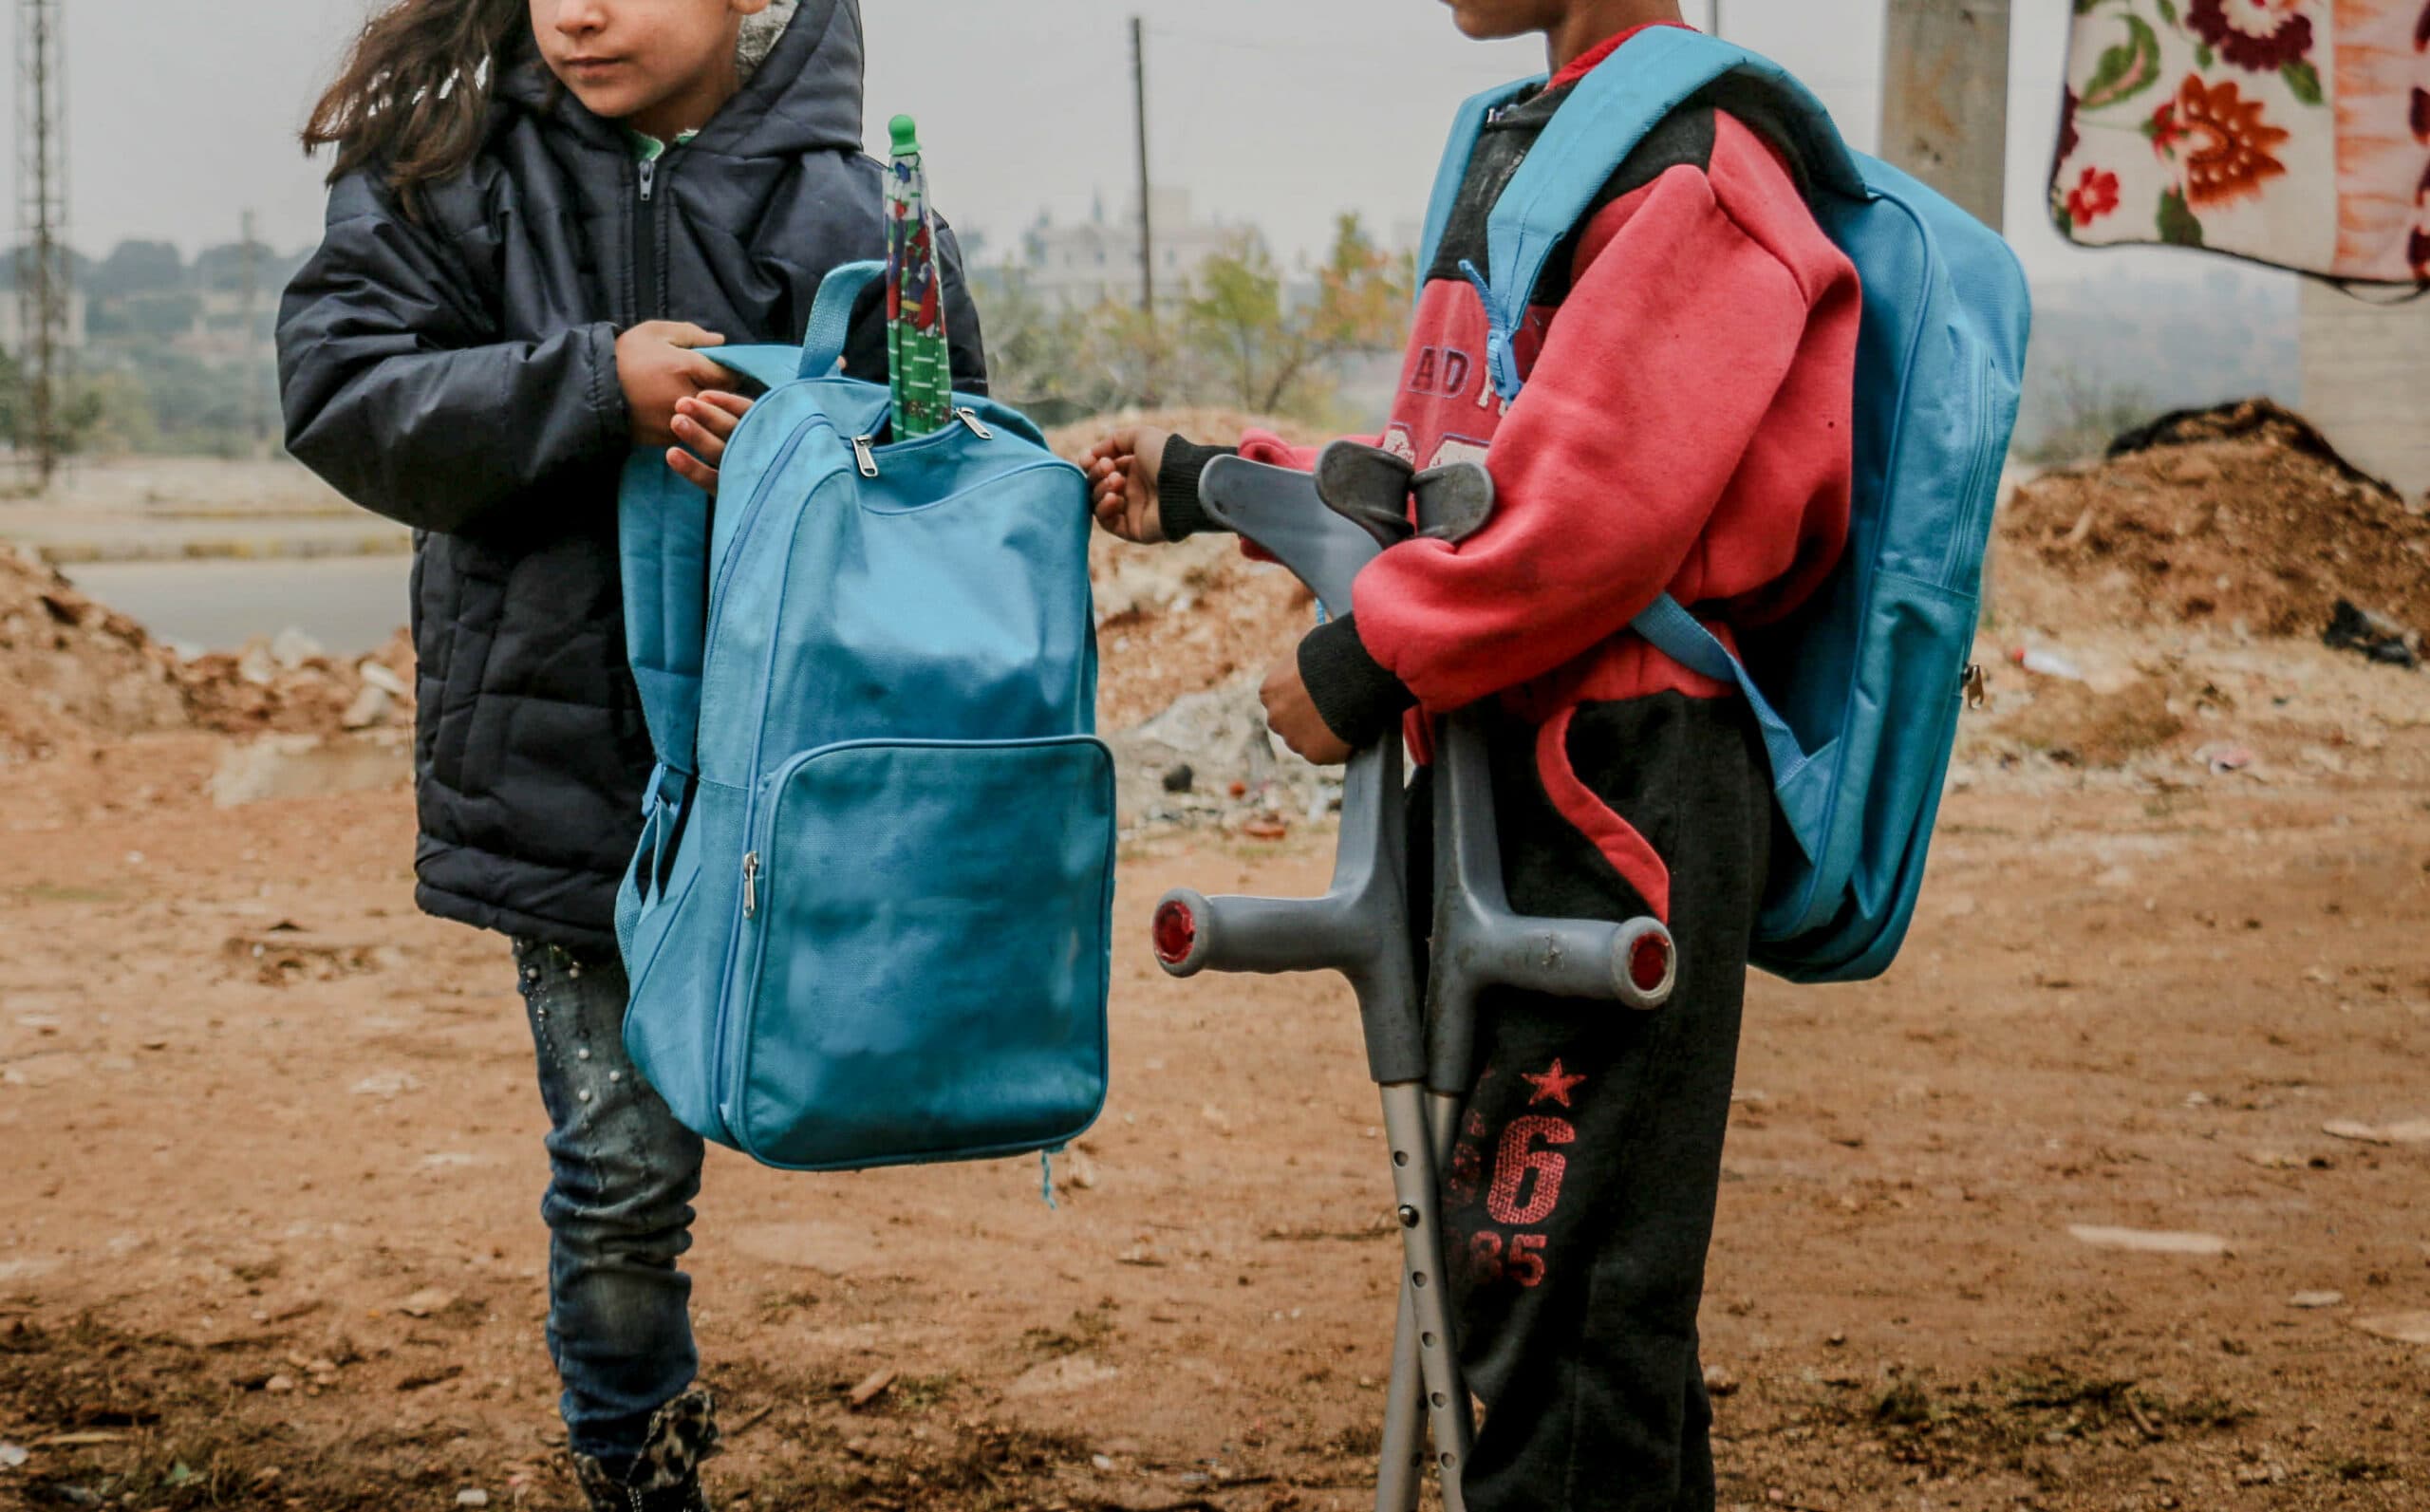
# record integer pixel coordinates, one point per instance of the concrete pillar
(2367, 383)
(1945, 99)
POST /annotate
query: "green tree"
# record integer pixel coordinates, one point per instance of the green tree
(1272, 353)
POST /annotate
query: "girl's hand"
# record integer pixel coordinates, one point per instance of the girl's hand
(703, 424)
(659, 362)
(1293, 715)
(1122, 483)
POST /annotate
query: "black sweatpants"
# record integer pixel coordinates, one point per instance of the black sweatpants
(1580, 1200)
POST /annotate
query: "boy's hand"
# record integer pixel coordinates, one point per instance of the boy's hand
(658, 362)
(703, 424)
(1293, 715)
(1122, 483)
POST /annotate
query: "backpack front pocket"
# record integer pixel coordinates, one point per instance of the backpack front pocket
(926, 929)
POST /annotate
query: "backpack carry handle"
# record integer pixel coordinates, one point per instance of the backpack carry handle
(830, 316)
(822, 347)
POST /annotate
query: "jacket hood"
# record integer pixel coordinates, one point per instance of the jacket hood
(805, 97)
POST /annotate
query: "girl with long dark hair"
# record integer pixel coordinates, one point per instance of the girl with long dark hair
(540, 212)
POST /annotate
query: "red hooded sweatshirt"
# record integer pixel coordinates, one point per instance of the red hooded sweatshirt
(1685, 428)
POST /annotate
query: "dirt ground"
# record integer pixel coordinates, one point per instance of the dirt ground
(273, 1163)
(2108, 1198)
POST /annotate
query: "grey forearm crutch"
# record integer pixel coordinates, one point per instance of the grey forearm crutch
(1325, 528)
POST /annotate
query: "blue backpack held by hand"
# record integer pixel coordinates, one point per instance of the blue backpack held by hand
(1859, 694)
(868, 921)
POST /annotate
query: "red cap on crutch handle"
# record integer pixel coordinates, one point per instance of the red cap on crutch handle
(1178, 934)
(1646, 964)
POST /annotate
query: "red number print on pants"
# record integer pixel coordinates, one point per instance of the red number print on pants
(1522, 1261)
(1519, 1156)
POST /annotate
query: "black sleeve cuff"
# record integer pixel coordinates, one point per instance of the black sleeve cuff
(1357, 698)
(1177, 507)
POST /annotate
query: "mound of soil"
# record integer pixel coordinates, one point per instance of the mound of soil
(74, 669)
(1192, 617)
(2239, 514)
(271, 687)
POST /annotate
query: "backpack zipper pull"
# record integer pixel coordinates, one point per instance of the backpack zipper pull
(864, 455)
(970, 418)
(751, 885)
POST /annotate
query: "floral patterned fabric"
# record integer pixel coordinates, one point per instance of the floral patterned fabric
(2293, 132)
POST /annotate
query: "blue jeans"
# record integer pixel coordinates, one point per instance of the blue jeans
(623, 1174)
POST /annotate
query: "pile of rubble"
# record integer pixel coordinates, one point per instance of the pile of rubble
(287, 685)
(2223, 595)
(1185, 635)
(2242, 514)
(73, 671)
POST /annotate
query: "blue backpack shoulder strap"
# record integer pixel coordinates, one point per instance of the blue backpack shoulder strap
(1606, 117)
(663, 532)
(1679, 635)
(1466, 127)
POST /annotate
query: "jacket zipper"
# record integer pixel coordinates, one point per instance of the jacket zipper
(646, 302)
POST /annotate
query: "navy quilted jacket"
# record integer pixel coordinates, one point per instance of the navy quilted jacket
(457, 372)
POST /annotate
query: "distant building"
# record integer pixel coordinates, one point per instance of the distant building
(1098, 261)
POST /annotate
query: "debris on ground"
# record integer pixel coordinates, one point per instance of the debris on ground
(289, 686)
(308, 766)
(2404, 1328)
(2353, 629)
(1239, 775)
(2148, 1241)
(73, 671)
(2077, 724)
(2411, 1131)
(2239, 514)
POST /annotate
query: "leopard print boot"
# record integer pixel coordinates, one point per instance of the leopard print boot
(665, 1476)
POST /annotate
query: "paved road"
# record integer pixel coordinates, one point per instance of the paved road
(349, 604)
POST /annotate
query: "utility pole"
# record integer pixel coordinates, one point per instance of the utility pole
(1945, 118)
(1147, 215)
(1945, 99)
(1147, 219)
(42, 226)
(256, 412)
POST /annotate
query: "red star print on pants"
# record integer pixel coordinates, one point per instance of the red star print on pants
(1551, 1085)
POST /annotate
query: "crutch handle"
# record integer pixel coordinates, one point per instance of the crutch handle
(1631, 962)
(1267, 936)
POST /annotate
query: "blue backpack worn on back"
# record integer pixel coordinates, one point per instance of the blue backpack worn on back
(1859, 694)
(869, 923)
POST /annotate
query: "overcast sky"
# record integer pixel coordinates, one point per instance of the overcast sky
(1280, 112)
